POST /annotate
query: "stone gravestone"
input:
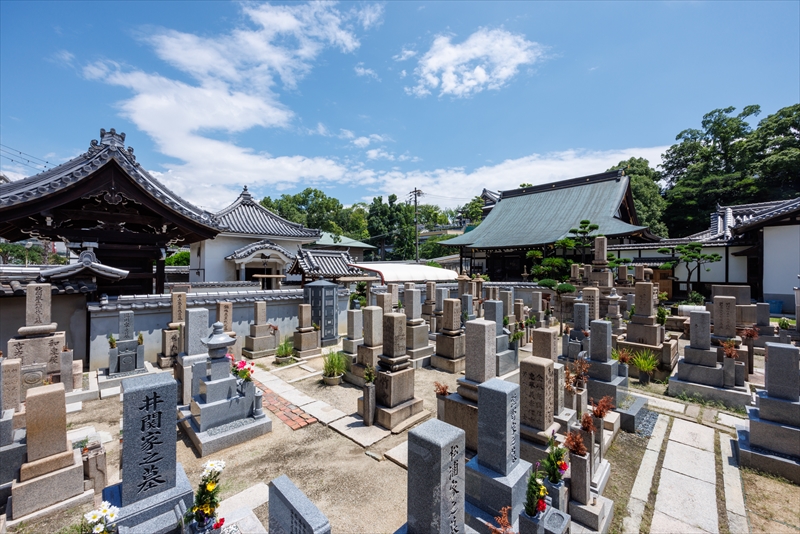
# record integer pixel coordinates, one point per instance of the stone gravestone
(772, 443)
(450, 341)
(442, 293)
(467, 306)
(306, 338)
(128, 356)
(581, 316)
(12, 443)
(154, 485)
(497, 476)
(12, 383)
(355, 333)
(536, 390)
(171, 337)
(264, 338)
(699, 363)
(418, 348)
(436, 480)
(226, 410)
(196, 321)
(505, 357)
(507, 298)
(544, 343)
(54, 471)
(724, 318)
(394, 383)
(367, 353)
(384, 301)
(591, 296)
(291, 512)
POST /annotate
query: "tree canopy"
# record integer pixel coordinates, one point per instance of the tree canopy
(647, 199)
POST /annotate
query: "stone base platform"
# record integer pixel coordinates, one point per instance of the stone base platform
(600, 478)
(461, 413)
(309, 354)
(12, 456)
(467, 529)
(154, 512)
(106, 382)
(256, 354)
(350, 346)
(392, 417)
(446, 364)
(738, 397)
(490, 491)
(420, 357)
(46, 490)
(765, 460)
(222, 437)
(84, 498)
(92, 391)
(631, 412)
(566, 419)
(165, 362)
(591, 517)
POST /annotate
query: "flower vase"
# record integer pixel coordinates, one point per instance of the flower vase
(728, 372)
(622, 370)
(580, 477)
(533, 524)
(750, 351)
(204, 527)
(559, 493)
(740, 370)
(369, 403)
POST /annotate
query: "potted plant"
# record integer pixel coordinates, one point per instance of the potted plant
(334, 366)
(369, 395)
(580, 468)
(243, 372)
(284, 352)
(646, 362)
(730, 355)
(623, 356)
(587, 434)
(203, 514)
(140, 351)
(749, 335)
(569, 389)
(554, 469)
(514, 340)
(441, 390)
(505, 321)
(661, 319)
(599, 412)
(535, 504)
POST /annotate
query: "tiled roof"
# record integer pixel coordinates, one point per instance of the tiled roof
(543, 214)
(329, 240)
(264, 244)
(323, 263)
(774, 211)
(246, 216)
(87, 266)
(110, 147)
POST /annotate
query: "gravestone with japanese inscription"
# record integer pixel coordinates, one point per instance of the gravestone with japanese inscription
(13, 449)
(128, 356)
(227, 409)
(172, 338)
(442, 293)
(368, 351)
(264, 337)
(537, 404)
(53, 471)
(497, 476)
(436, 479)
(505, 357)
(38, 345)
(225, 316)
(155, 491)
(724, 320)
(604, 377)
(291, 512)
(195, 329)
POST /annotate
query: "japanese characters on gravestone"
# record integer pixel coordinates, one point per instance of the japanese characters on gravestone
(12, 442)
(591, 296)
(436, 479)
(195, 330)
(724, 318)
(291, 512)
(537, 399)
(643, 328)
(37, 344)
(172, 338)
(153, 482)
(497, 476)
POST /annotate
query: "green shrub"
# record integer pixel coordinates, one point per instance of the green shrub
(645, 361)
(334, 364)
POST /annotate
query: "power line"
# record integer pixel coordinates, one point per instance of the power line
(25, 154)
(21, 162)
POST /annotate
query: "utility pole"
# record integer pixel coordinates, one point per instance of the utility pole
(416, 192)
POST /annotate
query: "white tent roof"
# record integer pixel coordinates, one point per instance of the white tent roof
(408, 272)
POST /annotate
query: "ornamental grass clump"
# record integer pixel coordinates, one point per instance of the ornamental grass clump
(554, 464)
(646, 361)
(206, 498)
(600, 409)
(587, 423)
(334, 364)
(101, 521)
(729, 349)
(622, 355)
(284, 349)
(535, 494)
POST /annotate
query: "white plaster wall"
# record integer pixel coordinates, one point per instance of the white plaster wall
(781, 263)
(213, 265)
(737, 273)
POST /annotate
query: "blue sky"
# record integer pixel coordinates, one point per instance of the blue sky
(363, 99)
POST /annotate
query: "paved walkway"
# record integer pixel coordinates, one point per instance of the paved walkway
(686, 496)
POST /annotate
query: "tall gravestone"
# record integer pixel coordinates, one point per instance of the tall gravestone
(306, 337)
(37, 345)
(725, 320)
(537, 383)
(442, 293)
(53, 472)
(468, 307)
(417, 346)
(497, 476)
(355, 333)
(429, 306)
(13, 449)
(544, 343)
(604, 375)
(225, 316)
(450, 341)
(436, 479)
(195, 329)
(384, 302)
(506, 358)
(507, 298)
(368, 352)
(154, 492)
(591, 296)
(264, 338)
(772, 443)
(172, 337)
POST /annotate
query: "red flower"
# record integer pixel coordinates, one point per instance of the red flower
(562, 466)
(541, 505)
(242, 364)
(219, 523)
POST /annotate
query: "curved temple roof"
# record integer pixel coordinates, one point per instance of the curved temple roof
(246, 216)
(259, 246)
(544, 214)
(317, 263)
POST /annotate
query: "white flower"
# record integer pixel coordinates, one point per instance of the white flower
(113, 510)
(104, 508)
(93, 517)
(105, 504)
(99, 528)
(111, 515)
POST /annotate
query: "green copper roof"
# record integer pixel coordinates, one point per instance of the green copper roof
(327, 241)
(544, 214)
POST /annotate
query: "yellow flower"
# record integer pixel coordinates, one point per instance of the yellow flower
(542, 491)
(206, 509)
(194, 509)
(211, 485)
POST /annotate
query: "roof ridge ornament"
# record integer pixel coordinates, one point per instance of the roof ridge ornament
(246, 196)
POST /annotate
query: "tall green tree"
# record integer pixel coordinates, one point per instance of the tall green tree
(431, 247)
(584, 235)
(391, 224)
(473, 210)
(647, 198)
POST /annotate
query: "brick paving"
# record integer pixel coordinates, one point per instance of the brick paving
(287, 412)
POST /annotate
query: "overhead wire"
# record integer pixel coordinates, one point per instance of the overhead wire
(25, 154)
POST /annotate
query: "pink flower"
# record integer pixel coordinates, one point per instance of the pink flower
(241, 365)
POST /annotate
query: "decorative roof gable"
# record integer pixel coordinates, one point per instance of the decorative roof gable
(316, 263)
(246, 216)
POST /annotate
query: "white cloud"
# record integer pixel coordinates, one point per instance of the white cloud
(364, 141)
(403, 73)
(487, 59)
(404, 54)
(379, 153)
(234, 75)
(370, 15)
(453, 186)
(63, 57)
(363, 71)
(346, 134)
